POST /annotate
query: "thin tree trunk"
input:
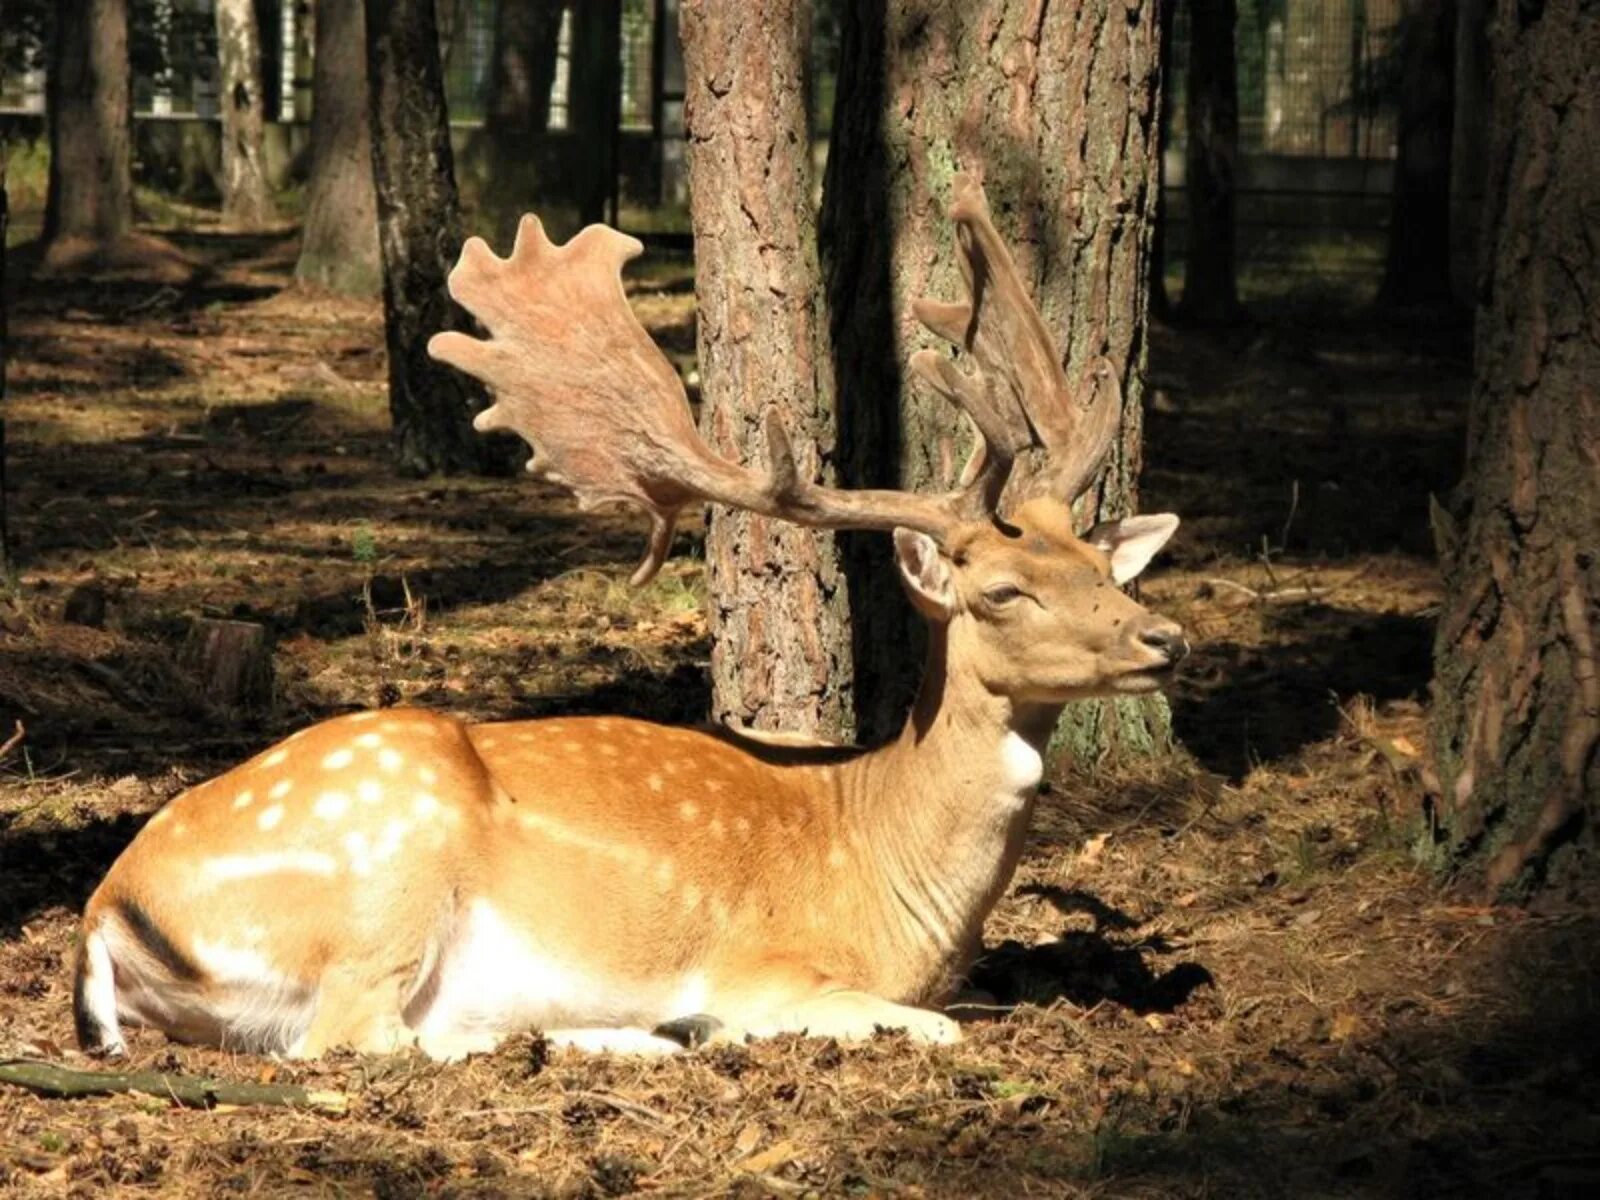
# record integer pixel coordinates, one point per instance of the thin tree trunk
(514, 159)
(1417, 269)
(594, 104)
(780, 657)
(339, 249)
(246, 196)
(419, 233)
(1160, 302)
(1055, 108)
(90, 202)
(1516, 717)
(1210, 285)
(1469, 118)
(5, 334)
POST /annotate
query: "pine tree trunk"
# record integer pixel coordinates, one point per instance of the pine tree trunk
(1210, 285)
(5, 333)
(1516, 716)
(780, 657)
(1055, 108)
(1417, 269)
(246, 196)
(419, 235)
(517, 164)
(90, 202)
(526, 39)
(339, 248)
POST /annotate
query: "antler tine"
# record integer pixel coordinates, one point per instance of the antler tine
(1018, 396)
(575, 374)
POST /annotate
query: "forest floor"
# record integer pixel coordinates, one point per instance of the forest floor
(1222, 974)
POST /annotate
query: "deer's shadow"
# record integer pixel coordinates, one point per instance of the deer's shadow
(1087, 967)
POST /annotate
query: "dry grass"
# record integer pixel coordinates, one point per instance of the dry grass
(1219, 976)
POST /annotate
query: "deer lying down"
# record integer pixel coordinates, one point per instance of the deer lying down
(400, 878)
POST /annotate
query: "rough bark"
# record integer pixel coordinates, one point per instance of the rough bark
(1516, 716)
(595, 104)
(246, 196)
(419, 235)
(1055, 108)
(1417, 267)
(1211, 153)
(780, 656)
(339, 248)
(90, 200)
(230, 661)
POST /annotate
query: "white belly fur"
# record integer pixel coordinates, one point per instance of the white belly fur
(495, 980)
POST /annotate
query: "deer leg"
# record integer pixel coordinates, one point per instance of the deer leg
(853, 1016)
(355, 1012)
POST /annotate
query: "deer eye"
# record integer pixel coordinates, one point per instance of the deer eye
(1001, 594)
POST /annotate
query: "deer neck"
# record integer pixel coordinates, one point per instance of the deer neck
(944, 809)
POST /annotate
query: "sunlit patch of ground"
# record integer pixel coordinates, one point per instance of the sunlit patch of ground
(1216, 976)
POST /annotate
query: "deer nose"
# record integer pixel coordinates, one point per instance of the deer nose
(1166, 639)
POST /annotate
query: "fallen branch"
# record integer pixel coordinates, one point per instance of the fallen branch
(12, 742)
(190, 1091)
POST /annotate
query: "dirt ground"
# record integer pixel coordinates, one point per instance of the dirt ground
(1220, 975)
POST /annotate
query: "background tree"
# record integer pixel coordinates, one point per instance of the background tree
(1417, 267)
(246, 196)
(5, 228)
(420, 234)
(595, 104)
(339, 245)
(1516, 705)
(1160, 302)
(780, 646)
(90, 203)
(1469, 117)
(1211, 155)
(1059, 119)
(519, 172)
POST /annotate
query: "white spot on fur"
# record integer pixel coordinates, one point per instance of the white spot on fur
(270, 817)
(330, 806)
(369, 791)
(426, 806)
(691, 897)
(836, 858)
(664, 873)
(280, 789)
(244, 799)
(716, 827)
(370, 741)
(363, 717)
(338, 760)
(275, 759)
(655, 781)
(688, 810)
(225, 868)
(390, 760)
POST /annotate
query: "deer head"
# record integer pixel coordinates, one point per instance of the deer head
(995, 561)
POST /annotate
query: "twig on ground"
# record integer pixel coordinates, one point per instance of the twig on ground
(12, 742)
(190, 1091)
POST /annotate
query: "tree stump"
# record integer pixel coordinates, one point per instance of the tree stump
(231, 661)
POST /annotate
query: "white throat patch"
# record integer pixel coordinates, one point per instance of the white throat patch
(1021, 767)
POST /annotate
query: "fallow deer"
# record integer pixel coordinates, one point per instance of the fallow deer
(401, 878)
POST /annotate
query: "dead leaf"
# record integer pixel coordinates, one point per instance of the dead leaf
(1092, 849)
(749, 1138)
(1155, 1022)
(771, 1158)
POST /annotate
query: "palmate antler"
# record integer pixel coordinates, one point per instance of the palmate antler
(575, 374)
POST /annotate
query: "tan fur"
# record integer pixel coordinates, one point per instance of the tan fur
(772, 886)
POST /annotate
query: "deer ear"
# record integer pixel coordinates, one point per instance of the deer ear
(1132, 542)
(925, 573)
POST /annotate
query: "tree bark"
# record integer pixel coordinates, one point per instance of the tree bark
(517, 164)
(1055, 109)
(526, 37)
(5, 334)
(1210, 284)
(1516, 716)
(1417, 269)
(90, 201)
(339, 248)
(780, 644)
(246, 196)
(419, 235)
